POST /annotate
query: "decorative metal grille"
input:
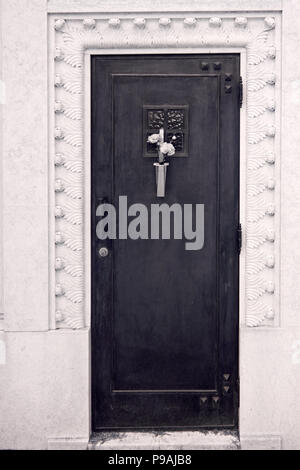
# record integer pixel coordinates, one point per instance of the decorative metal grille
(174, 120)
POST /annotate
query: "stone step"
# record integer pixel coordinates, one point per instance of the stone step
(177, 440)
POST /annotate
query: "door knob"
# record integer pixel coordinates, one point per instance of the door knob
(103, 252)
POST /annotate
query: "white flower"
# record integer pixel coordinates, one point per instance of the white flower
(167, 149)
(164, 147)
(270, 22)
(215, 21)
(153, 139)
(241, 21)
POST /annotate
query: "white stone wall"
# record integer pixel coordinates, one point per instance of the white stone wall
(44, 385)
(270, 359)
(45, 377)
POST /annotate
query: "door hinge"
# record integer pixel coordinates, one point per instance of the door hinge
(241, 92)
(239, 238)
(238, 392)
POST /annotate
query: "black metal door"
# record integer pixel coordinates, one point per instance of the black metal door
(165, 319)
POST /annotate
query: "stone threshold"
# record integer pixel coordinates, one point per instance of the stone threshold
(161, 440)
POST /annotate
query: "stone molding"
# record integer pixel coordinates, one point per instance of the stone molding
(71, 37)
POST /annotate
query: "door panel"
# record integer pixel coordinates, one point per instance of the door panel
(164, 319)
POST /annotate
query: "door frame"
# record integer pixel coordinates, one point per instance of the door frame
(89, 55)
(88, 46)
(87, 185)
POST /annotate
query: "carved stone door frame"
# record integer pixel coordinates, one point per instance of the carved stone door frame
(73, 39)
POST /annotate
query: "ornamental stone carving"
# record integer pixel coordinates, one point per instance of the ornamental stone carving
(259, 37)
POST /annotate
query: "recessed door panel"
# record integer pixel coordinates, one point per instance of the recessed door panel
(165, 318)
